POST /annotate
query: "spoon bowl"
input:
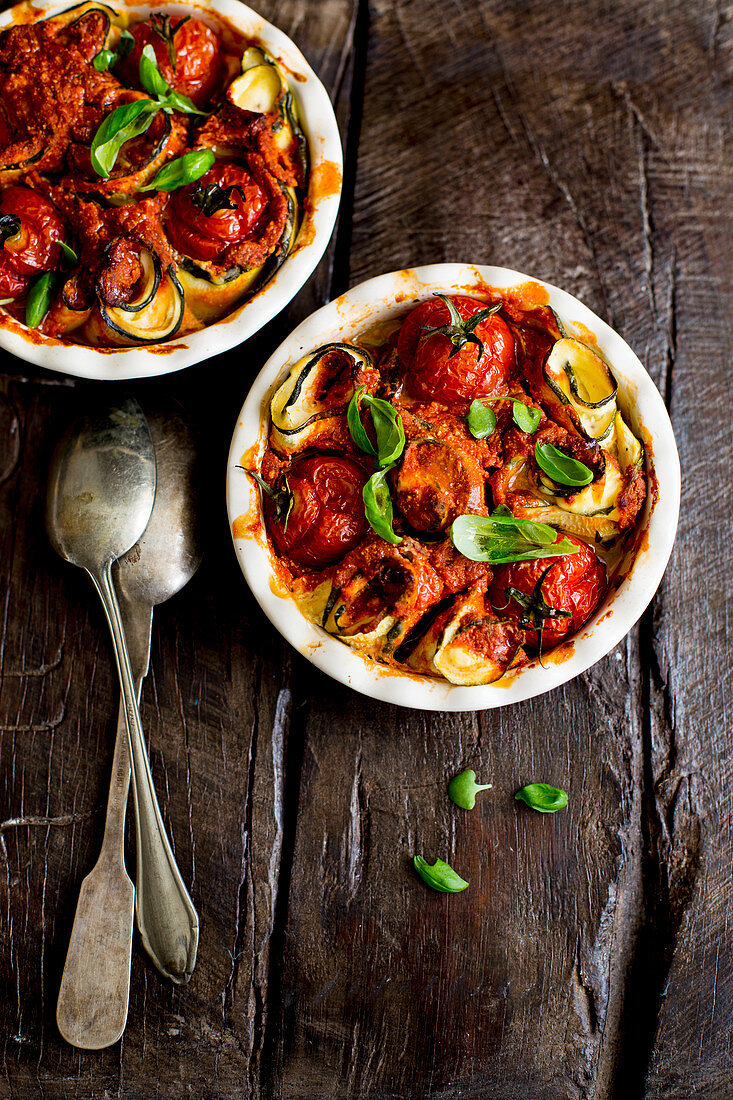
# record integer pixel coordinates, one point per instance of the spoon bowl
(101, 486)
(168, 554)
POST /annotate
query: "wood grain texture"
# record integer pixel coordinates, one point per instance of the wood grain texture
(591, 956)
(216, 707)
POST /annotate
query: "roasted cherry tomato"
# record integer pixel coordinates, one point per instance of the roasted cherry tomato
(34, 248)
(575, 583)
(205, 237)
(434, 374)
(196, 48)
(324, 517)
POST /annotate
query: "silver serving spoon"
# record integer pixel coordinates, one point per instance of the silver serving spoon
(93, 998)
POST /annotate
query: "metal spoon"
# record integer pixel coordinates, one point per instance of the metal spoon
(100, 496)
(93, 999)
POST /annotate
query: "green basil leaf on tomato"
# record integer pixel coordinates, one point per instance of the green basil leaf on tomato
(356, 428)
(151, 77)
(526, 417)
(175, 101)
(39, 299)
(126, 122)
(181, 171)
(388, 428)
(440, 876)
(481, 420)
(561, 467)
(542, 797)
(155, 83)
(499, 539)
(463, 789)
(378, 507)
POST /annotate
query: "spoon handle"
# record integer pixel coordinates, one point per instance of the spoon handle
(167, 920)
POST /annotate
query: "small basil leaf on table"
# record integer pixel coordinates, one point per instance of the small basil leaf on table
(440, 876)
(69, 253)
(542, 797)
(463, 788)
(378, 506)
(39, 299)
(126, 122)
(181, 171)
(481, 420)
(561, 467)
(499, 539)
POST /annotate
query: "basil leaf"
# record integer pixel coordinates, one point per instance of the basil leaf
(378, 506)
(388, 428)
(177, 102)
(103, 60)
(481, 420)
(126, 122)
(69, 253)
(561, 467)
(526, 417)
(150, 75)
(125, 46)
(440, 876)
(499, 539)
(39, 299)
(463, 787)
(181, 171)
(9, 227)
(542, 797)
(356, 428)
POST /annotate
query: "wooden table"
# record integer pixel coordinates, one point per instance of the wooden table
(588, 144)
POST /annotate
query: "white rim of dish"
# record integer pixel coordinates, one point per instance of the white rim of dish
(379, 299)
(324, 142)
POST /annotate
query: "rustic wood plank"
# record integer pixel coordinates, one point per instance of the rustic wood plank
(217, 709)
(689, 803)
(516, 986)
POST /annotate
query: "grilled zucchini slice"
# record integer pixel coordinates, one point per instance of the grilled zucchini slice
(318, 388)
(582, 386)
(156, 313)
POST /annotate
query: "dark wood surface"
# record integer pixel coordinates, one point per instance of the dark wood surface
(592, 955)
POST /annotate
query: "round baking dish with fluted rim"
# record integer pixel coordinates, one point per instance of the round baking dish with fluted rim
(382, 299)
(318, 216)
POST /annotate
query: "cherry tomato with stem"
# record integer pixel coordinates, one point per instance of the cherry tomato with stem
(550, 597)
(206, 236)
(454, 349)
(188, 53)
(316, 514)
(33, 248)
